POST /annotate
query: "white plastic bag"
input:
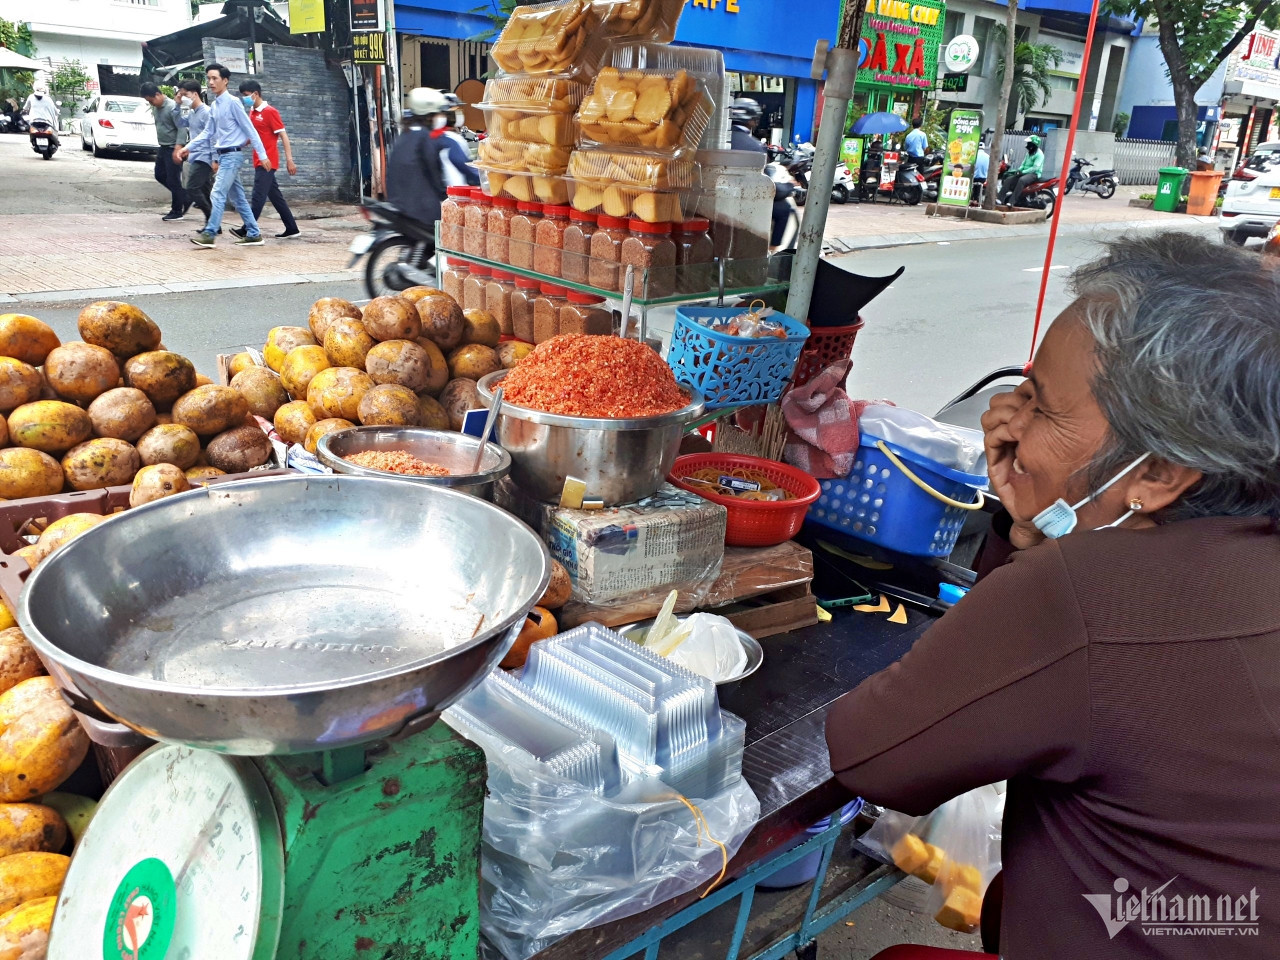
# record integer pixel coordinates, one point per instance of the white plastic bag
(956, 447)
(706, 644)
(556, 858)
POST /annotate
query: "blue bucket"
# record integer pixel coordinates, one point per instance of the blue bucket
(732, 371)
(880, 502)
(806, 868)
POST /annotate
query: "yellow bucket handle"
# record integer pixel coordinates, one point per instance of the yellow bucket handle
(884, 448)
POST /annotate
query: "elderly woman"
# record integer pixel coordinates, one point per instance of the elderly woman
(1122, 670)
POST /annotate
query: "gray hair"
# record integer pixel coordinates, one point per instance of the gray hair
(1187, 338)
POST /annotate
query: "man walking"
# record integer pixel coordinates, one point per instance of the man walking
(169, 135)
(228, 131)
(197, 176)
(269, 124)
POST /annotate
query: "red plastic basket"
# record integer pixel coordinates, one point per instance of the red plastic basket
(754, 523)
(824, 347)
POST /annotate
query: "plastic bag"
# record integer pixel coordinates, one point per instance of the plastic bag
(956, 447)
(706, 644)
(955, 849)
(556, 858)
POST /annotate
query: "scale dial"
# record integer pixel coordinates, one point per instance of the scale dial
(183, 860)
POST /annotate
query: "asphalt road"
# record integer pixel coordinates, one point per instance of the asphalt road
(959, 311)
(75, 181)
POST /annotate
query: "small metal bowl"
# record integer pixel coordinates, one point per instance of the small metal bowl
(454, 451)
(637, 632)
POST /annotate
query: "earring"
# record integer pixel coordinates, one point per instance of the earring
(1135, 504)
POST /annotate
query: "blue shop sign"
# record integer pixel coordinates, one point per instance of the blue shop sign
(769, 37)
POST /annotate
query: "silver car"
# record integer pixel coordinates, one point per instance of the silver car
(113, 122)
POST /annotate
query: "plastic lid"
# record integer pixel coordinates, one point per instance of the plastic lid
(553, 289)
(611, 223)
(556, 210)
(459, 191)
(576, 297)
(507, 203)
(480, 271)
(696, 225)
(500, 274)
(582, 216)
(950, 592)
(529, 206)
(644, 226)
(526, 283)
(477, 193)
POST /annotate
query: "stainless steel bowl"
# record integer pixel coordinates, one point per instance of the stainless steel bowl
(456, 452)
(284, 615)
(620, 461)
(637, 632)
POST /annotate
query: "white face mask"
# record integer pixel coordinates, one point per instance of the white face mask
(459, 119)
(439, 122)
(1059, 518)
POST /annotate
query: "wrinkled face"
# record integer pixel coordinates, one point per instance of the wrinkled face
(1060, 428)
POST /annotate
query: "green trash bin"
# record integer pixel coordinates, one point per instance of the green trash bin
(1169, 189)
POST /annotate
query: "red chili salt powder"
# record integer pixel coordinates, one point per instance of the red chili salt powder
(580, 375)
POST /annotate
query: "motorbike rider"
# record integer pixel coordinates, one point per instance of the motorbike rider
(40, 106)
(415, 170)
(744, 116)
(1029, 172)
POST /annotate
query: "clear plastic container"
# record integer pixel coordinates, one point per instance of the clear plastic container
(525, 187)
(524, 226)
(663, 110)
(577, 247)
(522, 298)
(619, 184)
(546, 311)
(453, 217)
(536, 110)
(498, 229)
(497, 299)
(737, 197)
(705, 64)
(606, 253)
(652, 252)
(695, 253)
(476, 219)
(474, 288)
(549, 240)
(563, 38)
(639, 19)
(585, 313)
(524, 171)
(452, 277)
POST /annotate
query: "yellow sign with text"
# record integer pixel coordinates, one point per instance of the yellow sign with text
(730, 6)
(306, 16)
(902, 10)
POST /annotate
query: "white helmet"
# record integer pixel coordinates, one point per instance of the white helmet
(40, 89)
(424, 101)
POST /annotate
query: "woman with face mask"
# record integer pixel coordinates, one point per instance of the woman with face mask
(416, 179)
(1119, 664)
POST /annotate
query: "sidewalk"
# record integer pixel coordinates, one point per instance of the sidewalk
(867, 226)
(76, 256)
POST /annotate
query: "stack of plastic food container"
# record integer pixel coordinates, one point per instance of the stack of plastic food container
(598, 709)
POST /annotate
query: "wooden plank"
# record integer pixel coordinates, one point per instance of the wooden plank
(780, 612)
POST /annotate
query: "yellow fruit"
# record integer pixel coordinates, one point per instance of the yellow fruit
(80, 372)
(161, 375)
(26, 338)
(196, 475)
(119, 327)
(123, 413)
(390, 405)
(538, 625)
(28, 473)
(442, 321)
(155, 481)
(293, 420)
(431, 414)
(262, 390)
(392, 318)
(239, 449)
(29, 876)
(75, 810)
(458, 397)
(439, 375)
(240, 363)
(281, 340)
(41, 741)
(32, 827)
(18, 660)
(49, 425)
(169, 443)
(210, 409)
(482, 327)
(320, 428)
(101, 462)
(347, 343)
(559, 590)
(473, 361)
(325, 311)
(24, 930)
(19, 383)
(301, 364)
(6, 616)
(61, 532)
(512, 352)
(337, 391)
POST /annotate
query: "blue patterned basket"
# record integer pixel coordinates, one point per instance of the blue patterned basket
(880, 503)
(733, 371)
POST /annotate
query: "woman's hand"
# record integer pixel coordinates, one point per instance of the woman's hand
(1001, 446)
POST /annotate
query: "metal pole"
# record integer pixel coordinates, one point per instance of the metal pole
(841, 63)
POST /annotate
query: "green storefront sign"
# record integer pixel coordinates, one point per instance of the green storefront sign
(898, 50)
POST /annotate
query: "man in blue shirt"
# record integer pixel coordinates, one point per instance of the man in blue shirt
(197, 175)
(981, 165)
(228, 131)
(916, 143)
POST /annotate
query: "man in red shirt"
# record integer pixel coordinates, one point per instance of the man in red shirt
(269, 124)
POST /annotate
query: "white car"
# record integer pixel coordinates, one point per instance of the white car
(1250, 208)
(117, 123)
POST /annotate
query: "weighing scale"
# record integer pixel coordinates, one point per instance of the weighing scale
(367, 851)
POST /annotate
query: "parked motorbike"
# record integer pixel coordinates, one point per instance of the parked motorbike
(1101, 182)
(798, 162)
(932, 169)
(908, 183)
(44, 139)
(400, 250)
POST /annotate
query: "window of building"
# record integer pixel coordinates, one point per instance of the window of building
(1064, 83)
(982, 29)
(952, 26)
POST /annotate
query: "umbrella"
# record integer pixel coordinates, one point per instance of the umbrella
(16, 61)
(870, 123)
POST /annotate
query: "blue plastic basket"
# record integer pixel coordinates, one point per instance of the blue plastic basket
(806, 868)
(880, 503)
(732, 371)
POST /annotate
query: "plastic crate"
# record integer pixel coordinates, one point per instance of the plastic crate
(826, 345)
(733, 371)
(881, 503)
(753, 523)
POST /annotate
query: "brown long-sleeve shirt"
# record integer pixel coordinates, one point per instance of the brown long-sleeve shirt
(1127, 685)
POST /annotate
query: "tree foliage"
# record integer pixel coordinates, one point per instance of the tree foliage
(16, 84)
(1032, 63)
(498, 12)
(70, 83)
